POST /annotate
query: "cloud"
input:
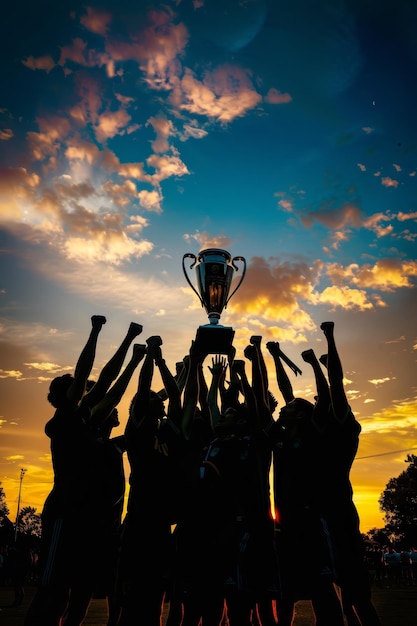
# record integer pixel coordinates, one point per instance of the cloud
(17, 190)
(164, 129)
(373, 223)
(11, 374)
(385, 275)
(110, 124)
(276, 97)
(222, 95)
(121, 195)
(387, 181)
(61, 218)
(157, 48)
(133, 170)
(286, 205)
(45, 63)
(402, 217)
(345, 297)
(51, 368)
(350, 215)
(193, 131)
(76, 52)
(165, 166)
(336, 218)
(96, 21)
(396, 420)
(207, 240)
(150, 200)
(107, 247)
(379, 381)
(6, 134)
(274, 291)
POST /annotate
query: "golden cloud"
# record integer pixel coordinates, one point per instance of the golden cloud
(96, 20)
(224, 94)
(45, 63)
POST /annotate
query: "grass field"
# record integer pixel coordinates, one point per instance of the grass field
(395, 606)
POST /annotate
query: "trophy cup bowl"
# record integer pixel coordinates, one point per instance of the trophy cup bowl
(214, 269)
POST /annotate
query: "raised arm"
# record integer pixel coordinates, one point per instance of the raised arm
(85, 361)
(102, 410)
(217, 370)
(245, 387)
(203, 392)
(193, 363)
(265, 402)
(340, 404)
(174, 411)
(283, 380)
(323, 403)
(112, 368)
(259, 372)
(140, 405)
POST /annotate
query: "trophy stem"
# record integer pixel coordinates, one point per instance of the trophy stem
(214, 318)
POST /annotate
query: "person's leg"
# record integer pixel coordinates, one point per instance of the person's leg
(349, 612)
(143, 605)
(264, 613)
(239, 608)
(77, 608)
(51, 598)
(327, 605)
(175, 613)
(285, 612)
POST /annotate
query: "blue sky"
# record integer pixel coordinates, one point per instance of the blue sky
(284, 132)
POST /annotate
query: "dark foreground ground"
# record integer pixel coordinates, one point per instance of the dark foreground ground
(395, 606)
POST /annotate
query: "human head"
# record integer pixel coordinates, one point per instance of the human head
(58, 390)
(156, 404)
(156, 407)
(295, 418)
(299, 408)
(233, 421)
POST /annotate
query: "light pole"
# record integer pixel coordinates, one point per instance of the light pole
(22, 473)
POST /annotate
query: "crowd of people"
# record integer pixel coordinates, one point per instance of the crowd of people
(200, 532)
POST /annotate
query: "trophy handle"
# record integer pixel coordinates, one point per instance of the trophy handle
(190, 255)
(237, 258)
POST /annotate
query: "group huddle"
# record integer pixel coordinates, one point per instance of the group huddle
(200, 534)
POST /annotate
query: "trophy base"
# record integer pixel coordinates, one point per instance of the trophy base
(215, 339)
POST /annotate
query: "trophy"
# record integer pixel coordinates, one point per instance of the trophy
(214, 268)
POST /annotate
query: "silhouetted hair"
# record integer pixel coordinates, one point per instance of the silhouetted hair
(303, 405)
(58, 389)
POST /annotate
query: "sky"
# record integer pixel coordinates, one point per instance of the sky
(282, 131)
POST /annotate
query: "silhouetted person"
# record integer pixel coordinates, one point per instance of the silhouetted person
(193, 580)
(231, 519)
(19, 558)
(99, 540)
(304, 552)
(153, 442)
(69, 431)
(342, 439)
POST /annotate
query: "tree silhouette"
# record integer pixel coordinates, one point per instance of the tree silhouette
(29, 522)
(4, 510)
(399, 503)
